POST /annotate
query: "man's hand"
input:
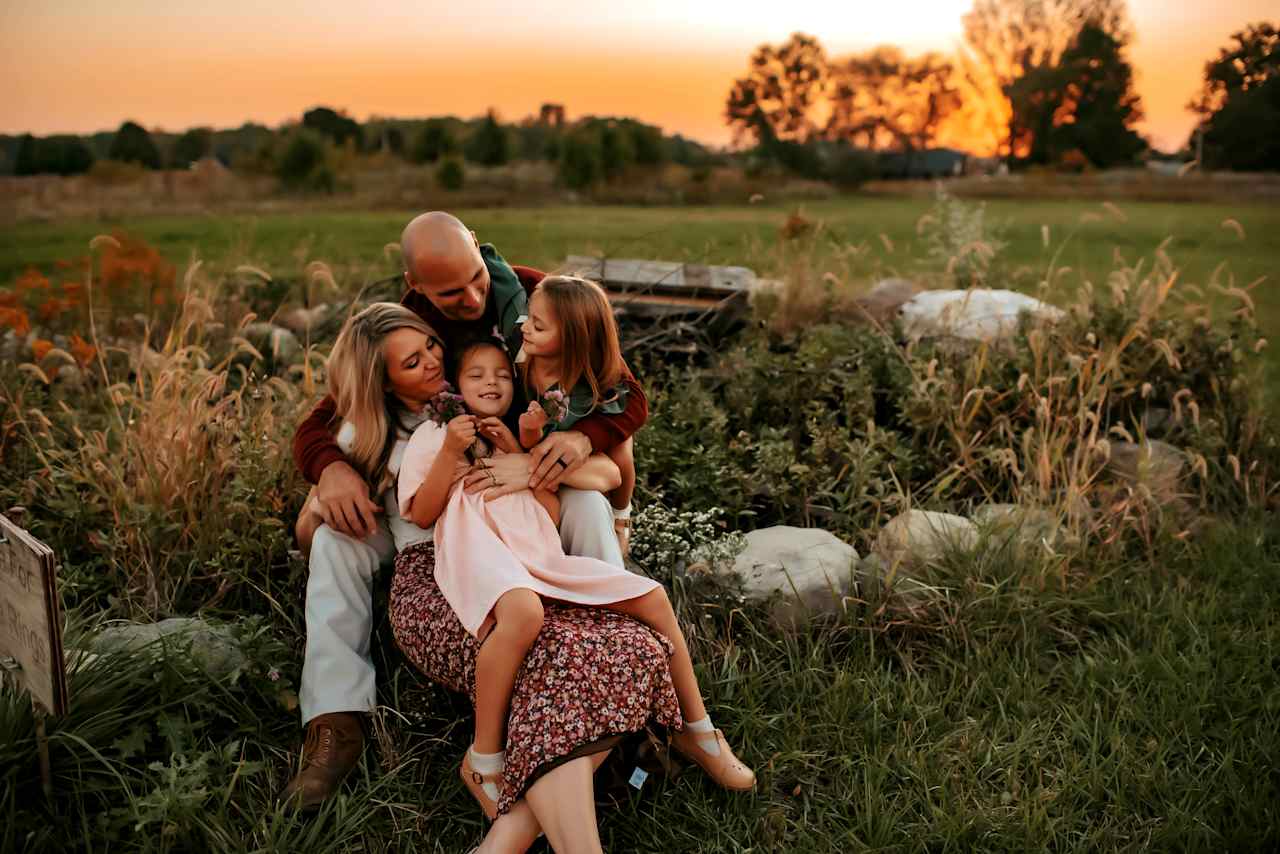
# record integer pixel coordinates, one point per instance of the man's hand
(342, 501)
(499, 476)
(556, 456)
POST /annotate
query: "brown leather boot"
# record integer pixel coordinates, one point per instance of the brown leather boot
(332, 748)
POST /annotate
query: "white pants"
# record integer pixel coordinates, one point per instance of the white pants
(337, 672)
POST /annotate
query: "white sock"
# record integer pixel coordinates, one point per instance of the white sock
(706, 735)
(488, 763)
(624, 513)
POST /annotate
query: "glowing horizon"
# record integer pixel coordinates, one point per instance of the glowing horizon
(82, 68)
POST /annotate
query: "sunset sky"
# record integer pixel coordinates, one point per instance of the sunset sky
(84, 66)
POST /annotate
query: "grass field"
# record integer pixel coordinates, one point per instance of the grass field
(862, 238)
(1123, 696)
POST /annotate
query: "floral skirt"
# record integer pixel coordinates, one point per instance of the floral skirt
(590, 674)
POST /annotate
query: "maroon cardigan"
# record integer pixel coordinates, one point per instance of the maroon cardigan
(314, 447)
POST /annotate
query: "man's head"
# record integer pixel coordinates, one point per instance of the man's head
(442, 262)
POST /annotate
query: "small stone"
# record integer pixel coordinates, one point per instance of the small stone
(1034, 527)
(882, 302)
(1156, 465)
(278, 346)
(921, 537)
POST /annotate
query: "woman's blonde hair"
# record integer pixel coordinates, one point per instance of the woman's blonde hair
(357, 377)
(589, 346)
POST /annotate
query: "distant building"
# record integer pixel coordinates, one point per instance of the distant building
(551, 115)
(929, 163)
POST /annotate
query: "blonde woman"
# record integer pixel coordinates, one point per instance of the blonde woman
(385, 369)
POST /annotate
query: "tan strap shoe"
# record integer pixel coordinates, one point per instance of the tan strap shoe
(331, 750)
(725, 768)
(474, 781)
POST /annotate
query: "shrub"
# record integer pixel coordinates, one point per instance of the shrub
(451, 175)
(302, 164)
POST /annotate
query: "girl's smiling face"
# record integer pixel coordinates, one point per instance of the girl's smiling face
(415, 366)
(542, 330)
(484, 381)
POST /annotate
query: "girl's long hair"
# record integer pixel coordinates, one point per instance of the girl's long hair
(357, 378)
(589, 346)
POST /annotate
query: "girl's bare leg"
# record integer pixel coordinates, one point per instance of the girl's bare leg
(655, 611)
(518, 619)
(519, 828)
(624, 457)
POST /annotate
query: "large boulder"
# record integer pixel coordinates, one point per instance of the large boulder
(213, 647)
(975, 315)
(808, 570)
(918, 538)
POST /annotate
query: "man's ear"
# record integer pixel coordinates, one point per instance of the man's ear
(474, 239)
(408, 282)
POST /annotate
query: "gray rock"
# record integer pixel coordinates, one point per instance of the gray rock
(918, 538)
(300, 321)
(1156, 465)
(278, 346)
(808, 569)
(212, 646)
(976, 314)
(882, 302)
(1032, 527)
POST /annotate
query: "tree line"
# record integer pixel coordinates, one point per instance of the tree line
(306, 154)
(1035, 82)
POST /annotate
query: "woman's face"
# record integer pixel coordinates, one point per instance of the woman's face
(484, 381)
(541, 331)
(415, 366)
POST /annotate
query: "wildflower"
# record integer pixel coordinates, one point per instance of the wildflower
(273, 674)
(40, 348)
(82, 350)
(16, 319)
(31, 280)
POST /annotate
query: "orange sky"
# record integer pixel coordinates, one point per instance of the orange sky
(85, 66)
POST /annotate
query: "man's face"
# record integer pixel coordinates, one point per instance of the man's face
(456, 282)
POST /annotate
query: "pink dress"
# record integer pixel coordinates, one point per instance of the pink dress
(485, 548)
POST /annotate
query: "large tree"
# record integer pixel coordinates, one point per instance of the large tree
(488, 144)
(334, 125)
(1084, 103)
(883, 99)
(1239, 103)
(132, 144)
(1008, 39)
(783, 94)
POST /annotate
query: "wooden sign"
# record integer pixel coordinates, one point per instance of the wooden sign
(31, 617)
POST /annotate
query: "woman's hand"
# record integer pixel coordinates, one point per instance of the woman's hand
(500, 435)
(460, 434)
(499, 476)
(557, 456)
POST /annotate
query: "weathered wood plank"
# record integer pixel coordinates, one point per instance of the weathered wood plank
(31, 616)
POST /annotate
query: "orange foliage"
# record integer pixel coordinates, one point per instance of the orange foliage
(8, 299)
(82, 350)
(40, 348)
(53, 306)
(16, 319)
(31, 280)
(133, 261)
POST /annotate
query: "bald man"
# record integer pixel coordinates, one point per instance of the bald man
(463, 289)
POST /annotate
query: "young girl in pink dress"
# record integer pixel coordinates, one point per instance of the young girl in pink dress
(497, 560)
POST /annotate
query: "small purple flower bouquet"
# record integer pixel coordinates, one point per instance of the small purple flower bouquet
(446, 406)
(556, 404)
